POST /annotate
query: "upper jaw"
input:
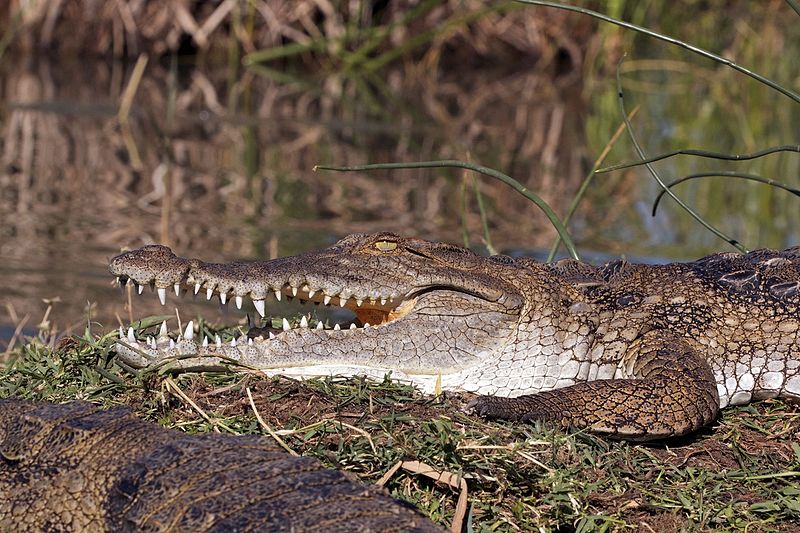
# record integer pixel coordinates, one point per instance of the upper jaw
(160, 268)
(377, 289)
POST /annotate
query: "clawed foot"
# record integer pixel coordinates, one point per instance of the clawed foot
(490, 407)
(528, 408)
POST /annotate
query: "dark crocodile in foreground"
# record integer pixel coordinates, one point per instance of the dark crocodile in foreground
(628, 350)
(74, 467)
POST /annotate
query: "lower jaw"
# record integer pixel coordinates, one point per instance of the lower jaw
(425, 383)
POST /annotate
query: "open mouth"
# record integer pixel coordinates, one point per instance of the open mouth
(371, 310)
(403, 314)
(322, 286)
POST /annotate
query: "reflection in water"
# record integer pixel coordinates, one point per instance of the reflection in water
(223, 184)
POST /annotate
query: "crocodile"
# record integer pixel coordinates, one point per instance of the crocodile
(631, 351)
(75, 467)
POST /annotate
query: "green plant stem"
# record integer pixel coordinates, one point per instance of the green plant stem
(278, 52)
(11, 31)
(464, 230)
(427, 36)
(733, 242)
(707, 154)
(487, 239)
(380, 34)
(573, 206)
(729, 174)
(454, 163)
(704, 53)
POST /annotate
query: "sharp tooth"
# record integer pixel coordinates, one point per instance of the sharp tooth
(304, 322)
(286, 326)
(383, 301)
(353, 326)
(233, 341)
(359, 301)
(223, 298)
(121, 333)
(366, 324)
(151, 342)
(311, 293)
(294, 291)
(162, 295)
(278, 295)
(249, 341)
(205, 341)
(259, 307)
(162, 332)
(209, 293)
(177, 288)
(336, 327)
(131, 336)
(238, 301)
(271, 335)
(196, 288)
(171, 343)
(217, 341)
(140, 288)
(320, 325)
(342, 300)
(326, 300)
(189, 333)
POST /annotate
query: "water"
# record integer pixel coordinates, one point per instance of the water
(221, 169)
(218, 185)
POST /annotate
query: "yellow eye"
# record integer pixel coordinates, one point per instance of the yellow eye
(385, 246)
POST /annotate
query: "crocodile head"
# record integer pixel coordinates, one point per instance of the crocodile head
(423, 309)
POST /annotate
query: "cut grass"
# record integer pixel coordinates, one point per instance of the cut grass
(743, 473)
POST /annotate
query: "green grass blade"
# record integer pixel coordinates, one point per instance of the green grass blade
(431, 34)
(279, 52)
(377, 36)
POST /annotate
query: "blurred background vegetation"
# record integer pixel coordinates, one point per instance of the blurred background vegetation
(197, 124)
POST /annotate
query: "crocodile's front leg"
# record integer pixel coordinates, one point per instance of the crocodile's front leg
(667, 390)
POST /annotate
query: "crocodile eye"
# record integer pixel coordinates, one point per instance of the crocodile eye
(385, 246)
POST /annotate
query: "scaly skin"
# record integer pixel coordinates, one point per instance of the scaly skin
(633, 351)
(74, 467)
